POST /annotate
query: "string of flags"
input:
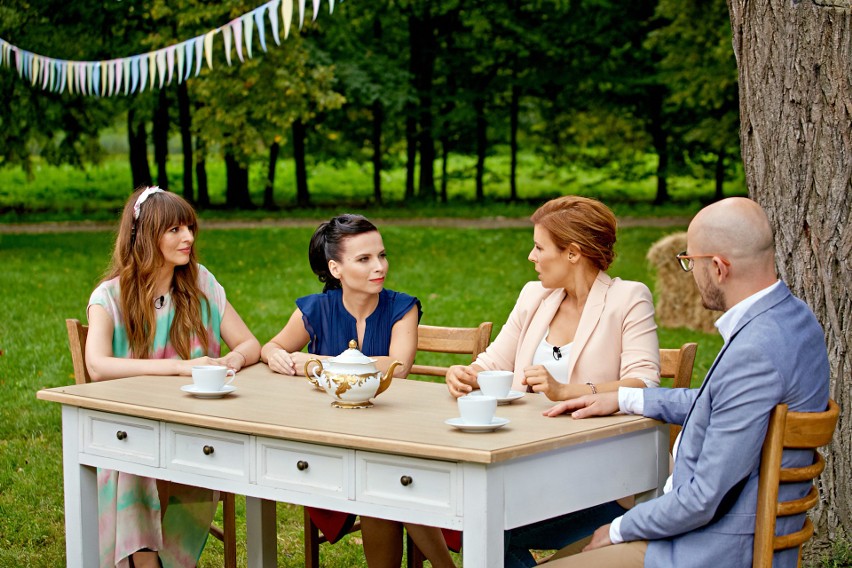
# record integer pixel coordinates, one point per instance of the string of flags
(129, 75)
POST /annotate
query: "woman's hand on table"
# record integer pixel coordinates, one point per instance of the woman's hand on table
(601, 404)
(282, 362)
(233, 360)
(461, 380)
(539, 379)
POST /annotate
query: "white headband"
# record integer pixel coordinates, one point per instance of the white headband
(141, 199)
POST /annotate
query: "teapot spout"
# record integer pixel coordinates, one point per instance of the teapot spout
(387, 378)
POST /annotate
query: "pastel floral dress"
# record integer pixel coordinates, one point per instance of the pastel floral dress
(129, 516)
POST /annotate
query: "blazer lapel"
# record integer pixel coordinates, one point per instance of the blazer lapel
(589, 318)
(538, 327)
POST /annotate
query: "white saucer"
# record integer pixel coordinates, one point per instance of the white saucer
(510, 398)
(496, 422)
(194, 391)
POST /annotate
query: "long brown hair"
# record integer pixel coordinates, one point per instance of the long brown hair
(586, 222)
(137, 259)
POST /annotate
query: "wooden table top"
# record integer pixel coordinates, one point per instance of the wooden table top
(407, 419)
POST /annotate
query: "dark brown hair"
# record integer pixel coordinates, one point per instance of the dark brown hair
(327, 243)
(586, 222)
(136, 261)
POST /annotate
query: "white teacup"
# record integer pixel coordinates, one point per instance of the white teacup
(477, 408)
(495, 383)
(211, 378)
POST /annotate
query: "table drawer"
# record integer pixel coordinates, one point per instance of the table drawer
(131, 439)
(210, 452)
(428, 485)
(305, 467)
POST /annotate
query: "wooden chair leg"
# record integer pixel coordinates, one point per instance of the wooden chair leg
(415, 557)
(312, 541)
(229, 520)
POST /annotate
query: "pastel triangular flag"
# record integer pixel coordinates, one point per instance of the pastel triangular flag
(226, 35)
(152, 69)
(237, 27)
(208, 48)
(273, 21)
(134, 73)
(316, 9)
(189, 50)
(287, 15)
(161, 66)
(180, 52)
(301, 13)
(119, 74)
(96, 79)
(70, 74)
(126, 64)
(52, 74)
(63, 68)
(199, 49)
(170, 64)
(143, 72)
(261, 28)
(248, 28)
(108, 74)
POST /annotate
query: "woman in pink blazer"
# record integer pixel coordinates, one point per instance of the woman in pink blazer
(576, 331)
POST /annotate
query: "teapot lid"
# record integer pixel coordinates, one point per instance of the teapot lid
(352, 356)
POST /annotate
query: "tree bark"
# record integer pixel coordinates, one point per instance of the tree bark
(185, 121)
(137, 140)
(378, 119)
(659, 137)
(201, 171)
(425, 137)
(514, 110)
(160, 133)
(411, 107)
(303, 196)
(794, 61)
(481, 145)
(269, 189)
(720, 175)
(237, 190)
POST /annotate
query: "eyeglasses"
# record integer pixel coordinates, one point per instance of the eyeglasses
(686, 260)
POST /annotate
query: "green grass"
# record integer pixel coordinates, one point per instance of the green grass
(462, 276)
(98, 191)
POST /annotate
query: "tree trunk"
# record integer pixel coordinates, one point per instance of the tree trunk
(237, 190)
(411, 107)
(720, 175)
(659, 137)
(269, 189)
(201, 171)
(445, 155)
(426, 141)
(160, 132)
(481, 145)
(303, 197)
(185, 120)
(378, 118)
(137, 140)
(514, 110)
(794, 61)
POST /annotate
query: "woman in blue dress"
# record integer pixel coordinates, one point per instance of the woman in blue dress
(347, 254)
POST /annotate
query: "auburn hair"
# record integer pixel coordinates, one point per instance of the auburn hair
(581, 221)
(136, 261)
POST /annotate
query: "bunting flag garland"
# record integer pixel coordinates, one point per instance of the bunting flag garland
(124, 74)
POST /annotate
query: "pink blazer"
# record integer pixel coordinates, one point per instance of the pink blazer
(616, 337)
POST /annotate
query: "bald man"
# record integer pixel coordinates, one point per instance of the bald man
(774, 352)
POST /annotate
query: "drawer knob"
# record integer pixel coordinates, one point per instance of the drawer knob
(208, 450)
(121, 435)
(406, 480)
(302, 465)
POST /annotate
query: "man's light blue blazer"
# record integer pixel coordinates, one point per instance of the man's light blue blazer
(776, 354)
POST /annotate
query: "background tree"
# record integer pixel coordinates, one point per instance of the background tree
(795, 74)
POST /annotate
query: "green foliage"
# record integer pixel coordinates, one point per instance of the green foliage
(840, 556)
(462, 276)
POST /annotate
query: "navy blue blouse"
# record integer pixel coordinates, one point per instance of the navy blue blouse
(331, 327)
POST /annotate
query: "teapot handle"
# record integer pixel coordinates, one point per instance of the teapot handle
(387, 378)
(308, 374)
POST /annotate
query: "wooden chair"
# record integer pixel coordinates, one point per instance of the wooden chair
(434, 339)
(677, 364)
(460, 340)
(789, 430)
(77, 334)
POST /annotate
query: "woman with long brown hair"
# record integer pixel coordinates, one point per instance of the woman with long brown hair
(158, 312)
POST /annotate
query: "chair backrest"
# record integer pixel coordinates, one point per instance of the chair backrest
(77, 334)
(436, 339)
(789, 430)
(677, 364)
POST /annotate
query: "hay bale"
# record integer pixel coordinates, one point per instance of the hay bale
(678, 301)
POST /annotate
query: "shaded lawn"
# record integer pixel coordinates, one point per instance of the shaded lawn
(462, 276)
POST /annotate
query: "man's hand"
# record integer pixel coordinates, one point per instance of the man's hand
(601, 404)
(599, 539)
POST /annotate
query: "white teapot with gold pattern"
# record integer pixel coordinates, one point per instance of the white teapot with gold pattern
(351, 378)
